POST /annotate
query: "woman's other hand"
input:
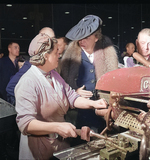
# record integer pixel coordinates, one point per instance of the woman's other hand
(83, 93)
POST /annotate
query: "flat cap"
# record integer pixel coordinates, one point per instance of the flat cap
(85, 27)
(36, 43)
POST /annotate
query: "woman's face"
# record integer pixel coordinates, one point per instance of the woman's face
(52, 58)
(88, 43)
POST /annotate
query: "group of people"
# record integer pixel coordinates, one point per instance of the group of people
(139, 56)
(54, 92)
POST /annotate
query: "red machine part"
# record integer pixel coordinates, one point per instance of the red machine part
(126, 80)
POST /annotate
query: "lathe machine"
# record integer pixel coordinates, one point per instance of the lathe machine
(127, 135)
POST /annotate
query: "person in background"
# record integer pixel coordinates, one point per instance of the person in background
(8, 67)
(14, 80)
(86, 59)
(143, 47)
(128, 60)
(21, 61)
(142, 56)
(11, 84)
(1, 53)
(62, 46)
(47, 30)
(42, 100)
(130, 48)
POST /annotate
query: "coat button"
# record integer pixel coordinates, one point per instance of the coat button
(91, 70)
(92, 81)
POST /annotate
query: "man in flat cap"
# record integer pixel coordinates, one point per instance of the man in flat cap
(86, 59)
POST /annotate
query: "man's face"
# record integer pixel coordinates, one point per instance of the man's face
(14, 49)
(61, 45)
(143, 44)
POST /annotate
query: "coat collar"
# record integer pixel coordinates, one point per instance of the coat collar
(84, 57)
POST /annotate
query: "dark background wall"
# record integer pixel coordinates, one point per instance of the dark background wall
(127, 20)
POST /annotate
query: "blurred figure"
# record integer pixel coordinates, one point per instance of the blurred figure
(62, 46)
(21, 61)
(130, 48)
(128, 59)
(8, 67)
(143, 47)
(47, 30)
(1, 53)
(10, 86)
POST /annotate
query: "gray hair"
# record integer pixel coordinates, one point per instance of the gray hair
(98, 34)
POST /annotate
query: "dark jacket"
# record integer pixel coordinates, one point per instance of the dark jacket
(7, 70)
(14, 80)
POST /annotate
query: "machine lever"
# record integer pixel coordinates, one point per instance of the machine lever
(93, 134)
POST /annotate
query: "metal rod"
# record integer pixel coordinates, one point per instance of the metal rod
(136, 99)
(105, 138)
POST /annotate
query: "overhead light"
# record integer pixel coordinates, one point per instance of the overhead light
(67, 12)
(24, 17)
(109, 17)
(32, 25)
(132, 27)
(13, 33)
(20, 36)
(143, 21)
(118, 35)
(104, 25)
(124, 32)
(2, 29)
(9, 5)
(113, 37)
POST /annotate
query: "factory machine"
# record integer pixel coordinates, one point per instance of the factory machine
(127, 135)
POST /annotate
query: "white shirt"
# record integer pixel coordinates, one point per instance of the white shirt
(90, 56)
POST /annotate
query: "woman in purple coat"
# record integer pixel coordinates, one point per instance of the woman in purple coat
(42, 100)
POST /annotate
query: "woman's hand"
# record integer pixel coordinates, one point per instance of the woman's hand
(66, 129)
(85, 133)
(100, 104)
(84, 93)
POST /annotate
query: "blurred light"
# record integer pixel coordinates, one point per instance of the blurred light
(132, 27)
(124, 32)
(104, 25)
(9, 5)
(67, 12)
(2, 29)
(143, 21)
(13, 33)
(118, 35)
(24, 17)
(109, 17)
(32, 25)
(113, 37)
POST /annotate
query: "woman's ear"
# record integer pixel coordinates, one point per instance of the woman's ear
(45, 56)
(96, 40)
